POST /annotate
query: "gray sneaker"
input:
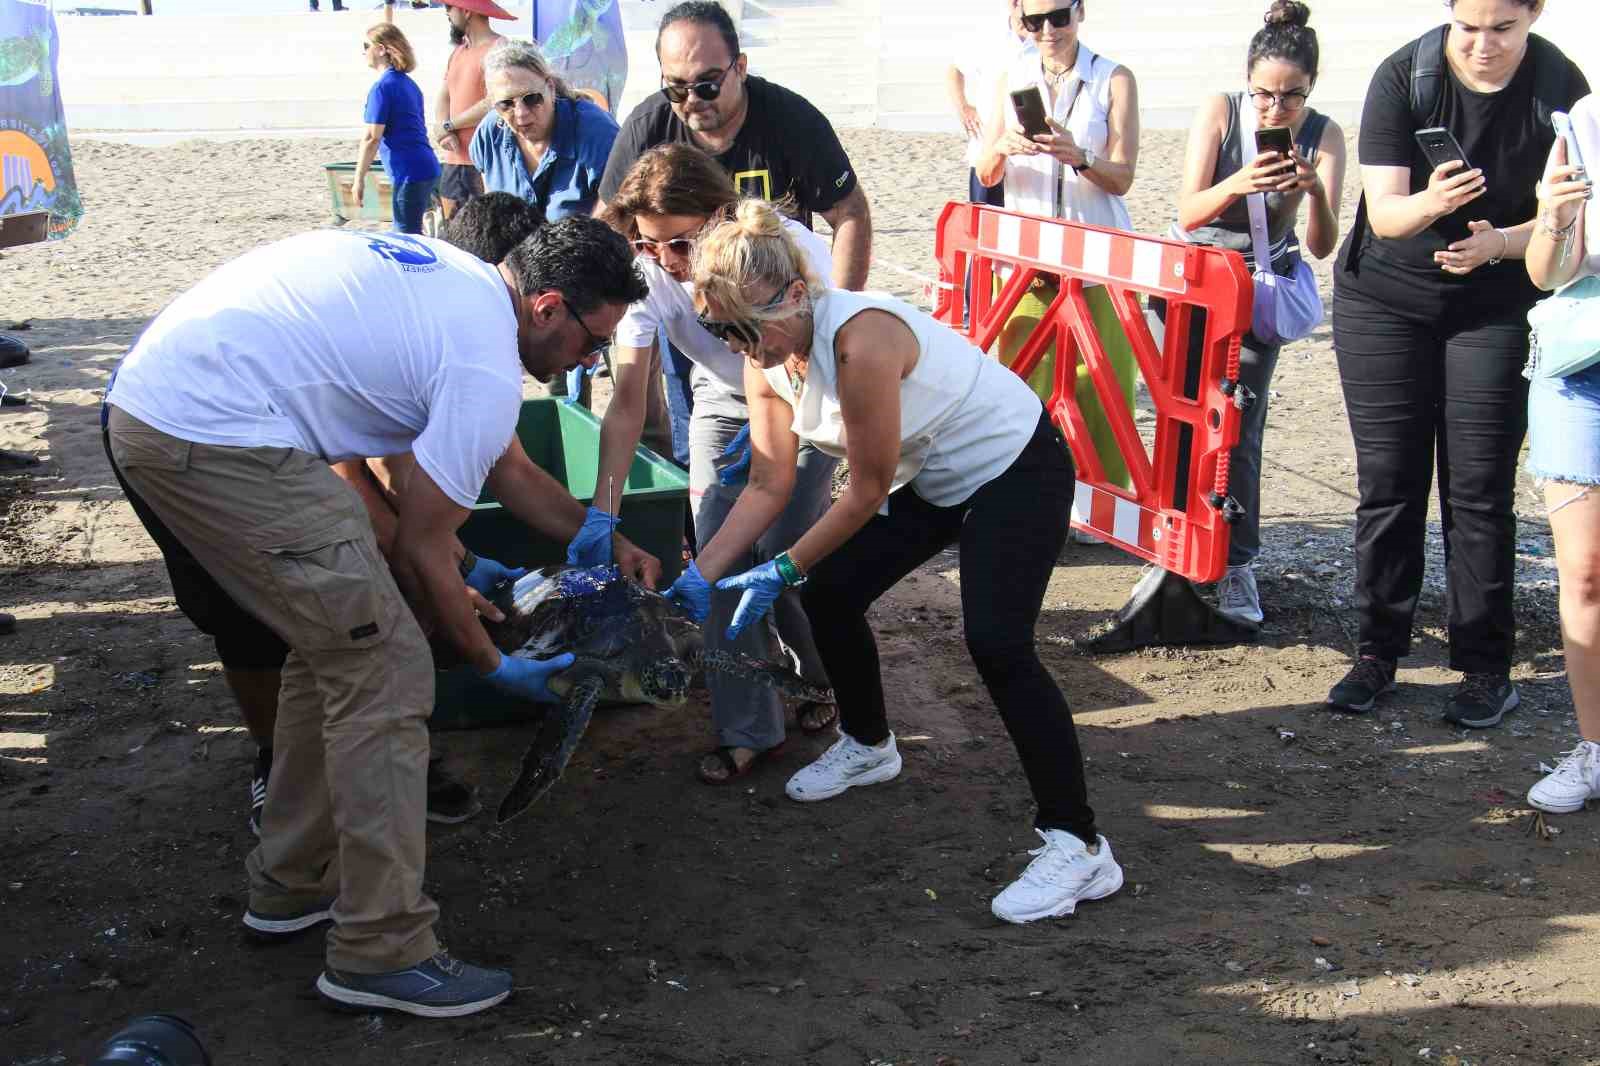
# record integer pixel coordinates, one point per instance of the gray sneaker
(282, 926)
(1481, 700)
(438, 987)
(1237, 596)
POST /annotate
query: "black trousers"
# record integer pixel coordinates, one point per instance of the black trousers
(1448, 395)
(1010, 531)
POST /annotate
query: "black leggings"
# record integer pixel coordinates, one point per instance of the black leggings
(1010, 531)
(1446, 395)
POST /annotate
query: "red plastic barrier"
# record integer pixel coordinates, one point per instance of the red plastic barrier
(1176, 513)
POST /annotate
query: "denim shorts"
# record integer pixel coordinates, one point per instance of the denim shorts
(1564, 428)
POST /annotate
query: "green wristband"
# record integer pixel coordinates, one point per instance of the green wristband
(787, 570)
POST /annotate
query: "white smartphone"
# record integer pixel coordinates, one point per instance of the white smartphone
(1564, 130)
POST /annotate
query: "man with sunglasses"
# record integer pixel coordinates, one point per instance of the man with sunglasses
(462, 101)
(223, 420)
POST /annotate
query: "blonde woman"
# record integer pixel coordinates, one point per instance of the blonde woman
(945, 447)
(396, 130)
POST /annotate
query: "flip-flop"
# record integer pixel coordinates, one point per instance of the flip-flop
(724, 755)
(821, 725)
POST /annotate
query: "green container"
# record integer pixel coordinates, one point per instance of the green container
(564, 440)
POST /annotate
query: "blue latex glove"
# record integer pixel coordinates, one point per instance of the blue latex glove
(592, 545)
(575, 378)
(692, 592)
(762, 586)
(528, 679)
(486, 574)
(736, 472)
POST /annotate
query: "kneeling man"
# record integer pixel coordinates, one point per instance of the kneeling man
(223, 419)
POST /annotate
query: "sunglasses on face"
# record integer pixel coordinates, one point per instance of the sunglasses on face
(748, 332)
(709, 89)
(678, 246)
(1293, 100)
(531, 101)
(597, 345)
(1060, 18)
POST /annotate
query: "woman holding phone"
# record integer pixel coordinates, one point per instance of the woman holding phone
(1430, 326)
(1079, 170)
(1303, 165)
(1564, 449)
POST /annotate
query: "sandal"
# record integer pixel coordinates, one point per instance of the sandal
(822, 716)
(731, 770)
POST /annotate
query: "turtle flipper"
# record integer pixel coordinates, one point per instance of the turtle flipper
(786, 681)
(552, 748)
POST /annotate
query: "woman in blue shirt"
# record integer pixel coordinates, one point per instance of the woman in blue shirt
(545, 144)
(396, 129)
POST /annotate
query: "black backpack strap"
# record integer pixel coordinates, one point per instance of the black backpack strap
(1427, 77)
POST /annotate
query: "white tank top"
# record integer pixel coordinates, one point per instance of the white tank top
(1037, 184)
(964, 418)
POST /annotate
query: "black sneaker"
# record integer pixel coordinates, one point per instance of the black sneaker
(258, 787)
(1368, 679)
(440, 987)
(450, 802)
(1481, 700)
(282, 926)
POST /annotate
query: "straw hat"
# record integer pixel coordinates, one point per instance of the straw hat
(484, 7)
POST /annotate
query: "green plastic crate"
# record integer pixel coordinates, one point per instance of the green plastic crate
(564, 440)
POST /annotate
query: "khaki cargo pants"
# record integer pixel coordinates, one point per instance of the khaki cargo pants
(347, 799)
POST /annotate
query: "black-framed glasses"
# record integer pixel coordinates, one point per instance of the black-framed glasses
(597, 345)
(1293, 100)
(679, 246)
(747, 330)
(531, 101)
(707, 89)
(1060, 18)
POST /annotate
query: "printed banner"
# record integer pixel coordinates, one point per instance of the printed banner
(35, 162)
(584, 43)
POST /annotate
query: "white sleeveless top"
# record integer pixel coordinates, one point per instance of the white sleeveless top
(964, 418)
(1038, 184)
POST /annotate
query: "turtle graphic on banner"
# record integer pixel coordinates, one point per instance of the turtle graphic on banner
(35, 161)
(583, 41)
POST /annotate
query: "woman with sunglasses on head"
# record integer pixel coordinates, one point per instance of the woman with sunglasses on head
(1213, 208)
(1430, 325)
(945, 447)
(543, 142)
(396, 130)
(663, 203)
(1079, 171)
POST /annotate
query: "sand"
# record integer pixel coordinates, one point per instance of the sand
(1301, 887)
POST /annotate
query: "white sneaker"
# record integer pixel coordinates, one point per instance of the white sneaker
(1063, 873)
(1237, 597)
(845, 765)
(1078, 536)
(1573, 782)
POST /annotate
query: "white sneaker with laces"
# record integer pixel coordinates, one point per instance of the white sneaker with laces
(845, 765)
(1062, 874)
(1237, 597)
(1574, 782)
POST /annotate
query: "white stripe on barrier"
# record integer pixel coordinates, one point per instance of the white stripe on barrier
(1082, 496)
(1008, 236)
(1147, 264)
(1096, 253)
(1052, 244)
(1125, 525)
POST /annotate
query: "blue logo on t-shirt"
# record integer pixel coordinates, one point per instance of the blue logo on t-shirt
(410, 253)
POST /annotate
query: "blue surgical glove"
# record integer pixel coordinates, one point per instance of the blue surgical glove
(738, 450)
(528, 679)
(575, 378)
(592, 545)
(486, 574)
(692, 592)
(762, 586)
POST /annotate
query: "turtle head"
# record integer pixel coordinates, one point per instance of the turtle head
(665, 682)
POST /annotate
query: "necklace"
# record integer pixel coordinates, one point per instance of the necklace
(1055, 78)
(796, 371)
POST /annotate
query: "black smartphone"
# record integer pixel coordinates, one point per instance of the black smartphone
(1440, 146)
(1029, 106)
(1275, 139)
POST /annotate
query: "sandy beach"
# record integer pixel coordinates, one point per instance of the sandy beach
(1302, 887)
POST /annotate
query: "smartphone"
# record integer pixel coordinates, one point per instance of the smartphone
(1564, 130)
(1029, 106)
(1440, 146)
(1275, 139)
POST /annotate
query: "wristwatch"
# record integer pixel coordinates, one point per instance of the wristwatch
(449, 127)
(1088, 160)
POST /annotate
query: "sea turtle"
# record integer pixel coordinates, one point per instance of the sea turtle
(632, 645)
(24, 58)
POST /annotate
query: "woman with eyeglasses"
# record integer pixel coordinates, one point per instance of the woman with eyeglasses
(544, 143)
(946, 447)
(1079, 171)
(1280, 71)
(397, 132)
(1430, 306)
(665, 200)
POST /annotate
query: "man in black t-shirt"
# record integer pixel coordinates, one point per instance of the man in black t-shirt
(774, 143)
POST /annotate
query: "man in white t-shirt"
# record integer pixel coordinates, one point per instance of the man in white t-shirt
(333, 346)
(971, 81)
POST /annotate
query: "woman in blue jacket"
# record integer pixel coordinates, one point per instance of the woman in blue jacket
(397, 132)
